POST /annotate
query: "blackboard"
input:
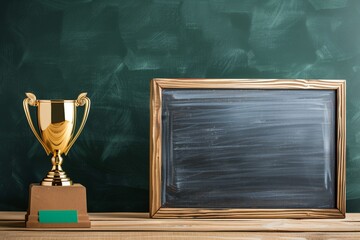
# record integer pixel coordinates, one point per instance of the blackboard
(112, 49)
(248, 148)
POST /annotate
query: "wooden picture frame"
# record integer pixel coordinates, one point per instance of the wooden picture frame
(161, 86)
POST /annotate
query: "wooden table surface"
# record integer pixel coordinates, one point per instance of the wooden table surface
(140, 226)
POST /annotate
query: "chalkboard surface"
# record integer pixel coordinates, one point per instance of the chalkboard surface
(112, 48)
(249, 148)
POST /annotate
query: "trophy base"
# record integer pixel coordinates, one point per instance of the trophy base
(57, 207)
(56, 178)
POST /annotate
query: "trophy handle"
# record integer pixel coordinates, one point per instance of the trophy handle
(81, 101)
(31, 100)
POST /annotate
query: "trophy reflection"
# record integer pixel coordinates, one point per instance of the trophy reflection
(56, 124)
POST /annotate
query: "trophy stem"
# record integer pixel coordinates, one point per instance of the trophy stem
(56, 177)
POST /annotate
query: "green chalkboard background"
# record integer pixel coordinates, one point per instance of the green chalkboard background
(112, 48)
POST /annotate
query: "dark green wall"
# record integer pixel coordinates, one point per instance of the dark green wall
(111, 49)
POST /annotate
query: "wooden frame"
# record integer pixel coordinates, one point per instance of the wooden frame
(157, 85)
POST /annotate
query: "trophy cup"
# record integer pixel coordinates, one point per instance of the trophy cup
(57, 202)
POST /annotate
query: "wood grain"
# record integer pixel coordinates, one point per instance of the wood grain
(14, 221)
(9, 235)
(248, 83)
(155, 148)
(341, 147)
(158, 85)
(247, 213)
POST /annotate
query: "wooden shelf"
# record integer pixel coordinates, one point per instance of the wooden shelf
(140, 226)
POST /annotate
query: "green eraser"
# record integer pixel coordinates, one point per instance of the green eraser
(58, 216)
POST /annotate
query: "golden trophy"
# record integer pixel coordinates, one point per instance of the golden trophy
(56, 194)
(56, 120)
